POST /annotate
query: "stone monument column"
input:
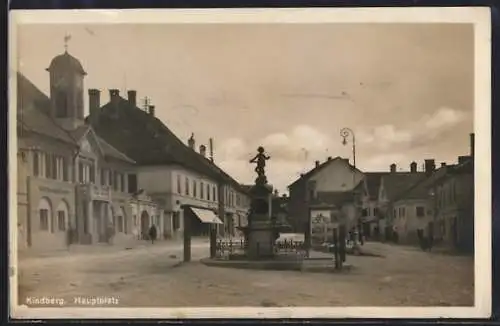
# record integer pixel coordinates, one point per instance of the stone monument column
(260, 229)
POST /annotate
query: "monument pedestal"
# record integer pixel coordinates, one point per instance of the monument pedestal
(260, 240)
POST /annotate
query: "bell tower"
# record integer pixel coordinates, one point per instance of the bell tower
(66, 89)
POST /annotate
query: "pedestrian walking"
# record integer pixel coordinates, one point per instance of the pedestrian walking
(152, 233)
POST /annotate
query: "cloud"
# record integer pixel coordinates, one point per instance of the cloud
(382, 162)
(420, 132)
(301, 143)
(443, 118)
(291, 153)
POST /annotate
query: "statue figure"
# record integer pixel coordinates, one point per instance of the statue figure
(260, 159)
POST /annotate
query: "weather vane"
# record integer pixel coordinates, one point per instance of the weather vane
(67, 37)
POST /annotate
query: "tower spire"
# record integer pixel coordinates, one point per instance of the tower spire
(67, 37)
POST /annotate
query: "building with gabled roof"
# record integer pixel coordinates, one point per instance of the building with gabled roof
(329, 181)
(73, 186)
(173, 172)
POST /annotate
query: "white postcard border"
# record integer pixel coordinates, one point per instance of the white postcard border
(478, 16)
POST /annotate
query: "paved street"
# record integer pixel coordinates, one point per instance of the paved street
(152, 276)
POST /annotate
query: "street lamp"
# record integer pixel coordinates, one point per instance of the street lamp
(344, 133)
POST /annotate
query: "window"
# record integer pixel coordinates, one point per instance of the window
(61, 220)
(394, 213)
(122, 183)
(187, 186)
(36, 165)
(202, 193)
(208, 192)
(48, 166)
(364, 212)
(59, 168)
(103, 177)
(195, 193)
(375, 211)
(132, 183)
(65, 175)
(420, 211)
(92, 173)
(179, 184)
(214, 193)
(116, 181)
(80, 172)
(120, 223)
(112, 181)
(176, 221)
(44, 219)
(61, 104)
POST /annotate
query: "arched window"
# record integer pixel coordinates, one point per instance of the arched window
(62, 216)
(61, 98)
(45, 214)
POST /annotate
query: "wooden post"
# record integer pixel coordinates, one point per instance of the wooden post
(342, 238)
(187, 234)
(213, 240)
(336, 248)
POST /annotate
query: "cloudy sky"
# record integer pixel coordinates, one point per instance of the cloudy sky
(405, 90)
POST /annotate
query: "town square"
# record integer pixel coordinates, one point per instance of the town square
(194, 169)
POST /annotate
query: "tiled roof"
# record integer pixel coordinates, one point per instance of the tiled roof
(33, 112)
(33, 115)
(318, 168)
(373, 180)
(110, 151)
(66, 62)
(398, 182)
(146, 140)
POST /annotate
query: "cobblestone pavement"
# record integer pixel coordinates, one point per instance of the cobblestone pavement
(152, 276)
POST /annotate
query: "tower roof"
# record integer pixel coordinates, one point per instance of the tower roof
(66, 61)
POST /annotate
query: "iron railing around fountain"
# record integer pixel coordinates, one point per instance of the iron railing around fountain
(238, 246)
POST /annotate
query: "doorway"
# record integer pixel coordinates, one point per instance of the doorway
(144, 225)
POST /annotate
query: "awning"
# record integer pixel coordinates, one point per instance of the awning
(206, 216)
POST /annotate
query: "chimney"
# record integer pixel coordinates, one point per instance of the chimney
(132, 98)
(211, 146)
(114, 95)
(413, 167)
(472, 147)
(429, 166)
(443, 164)
(329, 158)
(94, 101)
(203, 150)
(152, 110)
(393, 168)
(316, 164)
(191, 141)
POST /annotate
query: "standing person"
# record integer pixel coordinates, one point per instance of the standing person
(152, 233)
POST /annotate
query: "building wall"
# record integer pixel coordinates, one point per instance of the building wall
(299, 207)
(455, 205)
(47, 231)
(174, 186)
(337, 176)
(22, 200)
(407, 222)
